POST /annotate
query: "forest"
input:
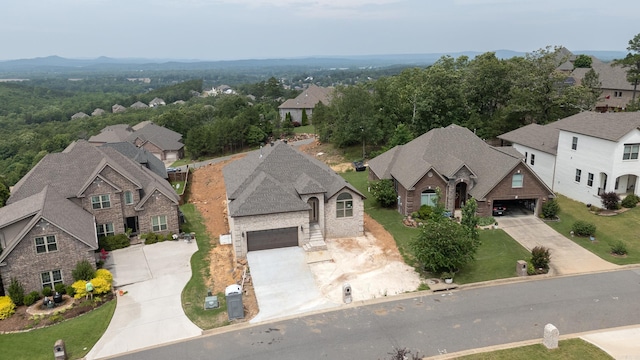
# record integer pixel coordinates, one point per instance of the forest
(380, 107)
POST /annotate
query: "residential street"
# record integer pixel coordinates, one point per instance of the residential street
(429, 323)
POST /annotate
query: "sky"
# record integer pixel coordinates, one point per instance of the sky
(268, 29)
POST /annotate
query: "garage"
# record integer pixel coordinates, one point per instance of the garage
(514, 207)
(272, 239)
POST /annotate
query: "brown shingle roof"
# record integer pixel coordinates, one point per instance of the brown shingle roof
(446, 150)
(535, 136)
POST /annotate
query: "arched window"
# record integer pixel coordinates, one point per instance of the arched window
(344, 205)
(428, 197)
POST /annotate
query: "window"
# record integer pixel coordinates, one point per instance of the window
(100, 202)
(617, 94)
(590, 179)
(517, 180)
(128, 198)
(578, 175)
(533, 159)
(51, 278)
(45, 244)
(429, 198)
(344, 205)
(526, 156)
(574, 143)
(630, 152)
(105, 229)
(159, 223)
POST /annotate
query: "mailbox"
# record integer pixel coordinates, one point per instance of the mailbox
(346, 293)
(59, 351)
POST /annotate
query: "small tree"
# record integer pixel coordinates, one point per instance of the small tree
(540, 257)
(83, 271)
(470, 219)
(550, 209)
(16, 292)
(305, 118)
(384, 192)
(444, 246)
(610, 200)
(582, 61)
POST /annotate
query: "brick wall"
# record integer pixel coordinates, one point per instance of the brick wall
(244, 224)
(345, 226)
(26, 265)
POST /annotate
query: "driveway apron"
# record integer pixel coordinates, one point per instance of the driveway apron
(150, 313)
(567, 257)
(284, 284)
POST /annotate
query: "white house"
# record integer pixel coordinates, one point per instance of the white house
(584, 155)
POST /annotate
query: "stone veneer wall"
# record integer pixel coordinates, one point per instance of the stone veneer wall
(346, 226)
(265, 222)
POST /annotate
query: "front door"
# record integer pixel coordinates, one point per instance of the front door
(314, 206)
(461, 194)
(132, 223)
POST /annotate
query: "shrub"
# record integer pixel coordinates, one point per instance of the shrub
(630, 201)
(7, 307)
(83, 271)
(486, 220)
(47, 291)
(16, 292)
(114, 242)
(540, 257)
(550, 209)
(61, 288)
(100, 285)
(79, 289)
(619, 248)
(104, 274)
(384, 192)
(425, 212)
(31, 298)
(531, 270)
(610, 200)
(70, 290)
(583, 228)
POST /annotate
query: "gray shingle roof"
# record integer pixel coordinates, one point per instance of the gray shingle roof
(445, 150)
(78, 165)
(160, 136)
(140, 155)
(309, 98)
(55, 209)
(608, 126)
(535, 136)
(112, 133)
(271, 180)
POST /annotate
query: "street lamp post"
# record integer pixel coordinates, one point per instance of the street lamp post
(362, 130)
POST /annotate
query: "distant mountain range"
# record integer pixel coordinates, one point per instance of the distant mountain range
(57, 63)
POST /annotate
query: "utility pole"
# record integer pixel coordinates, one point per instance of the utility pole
(362, 130)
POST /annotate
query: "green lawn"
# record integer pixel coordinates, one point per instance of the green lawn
(309, 129)
(572, 349)
(496, 257)
(184, 161)
(194, 292)
(79, 334)
(609, 229)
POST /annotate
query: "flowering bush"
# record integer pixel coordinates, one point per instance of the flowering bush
(80, 289)
(7, 307)
(104, 274)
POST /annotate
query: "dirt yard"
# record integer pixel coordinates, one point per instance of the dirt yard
(372, 263)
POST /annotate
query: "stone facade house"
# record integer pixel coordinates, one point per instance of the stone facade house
(584, 155)
(306, 101)
(461, 165)
(281, 197)
(58, 210)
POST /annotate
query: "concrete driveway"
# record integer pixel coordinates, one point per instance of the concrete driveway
(284, 284)
(567, 257)
(151, 311)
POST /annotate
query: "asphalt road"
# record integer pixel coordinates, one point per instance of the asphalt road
(429, 323)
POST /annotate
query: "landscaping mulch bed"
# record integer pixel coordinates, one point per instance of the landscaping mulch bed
(23, 321)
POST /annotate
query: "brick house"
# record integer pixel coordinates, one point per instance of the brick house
(462, 166)
(306, 101)
(281, 197)
(164, 143)
(58, 210)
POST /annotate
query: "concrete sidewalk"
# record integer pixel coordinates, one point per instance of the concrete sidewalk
(567, 257)
(150, 313)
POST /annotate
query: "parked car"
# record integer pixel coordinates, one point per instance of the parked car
(172, 170)
(359, 166)
(499, 209)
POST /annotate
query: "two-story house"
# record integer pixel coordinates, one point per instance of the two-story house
(58, 210)
(584, 155)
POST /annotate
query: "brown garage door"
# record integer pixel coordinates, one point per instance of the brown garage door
(272, 239)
